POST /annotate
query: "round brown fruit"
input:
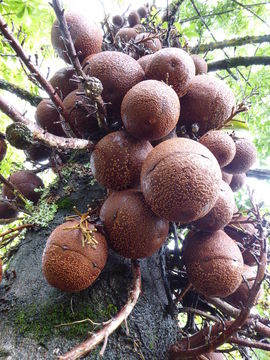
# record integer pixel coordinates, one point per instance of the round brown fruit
(118, 72)
(238, 181)
(209, 102)
(118, 20)
(81, 114)
(1, 270)
(124, 35)
(173, 66)
(144, 61)
(87, 36)
(222, 212)
(148, 42)
(67, 263)
(200, 64)
(240, 296)
(150, 110)
(3, 149)
(133, 230)
(117, 160)
(215, 268)
(61, 81)
(133, 18)
(26, 182)
(142, 11)
(243, 232)
(48, 118)
(180, 180)
(244, 158)
(171, 135)
(226, 177)
(7, 210)
(38, 152)
(221, 145)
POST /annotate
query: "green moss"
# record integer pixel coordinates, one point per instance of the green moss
(42, 323)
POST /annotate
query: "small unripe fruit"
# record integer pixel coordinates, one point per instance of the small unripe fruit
(26, 182)
(221, 145)
(69, 265)
(118, 20)
(238, 181)
(244, 158)
(173, 66)
(124, 35)
(133, 18)
(117, 160)
(150, 110)
(180, 180)
(48, 118)
(221, 213)
(148, 42)
(61, 81)
(7, 210)
(200, 64)
(86, 35)
(133, 230)
(3, 149)
(215, 268)
(142, 11)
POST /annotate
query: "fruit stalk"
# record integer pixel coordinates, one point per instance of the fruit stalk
(16, 46)
(103, 334)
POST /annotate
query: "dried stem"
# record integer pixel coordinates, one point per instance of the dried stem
(17, 228)
(41, 135)
(249, 343)
(183, 293)
(103, 334)
(16, 46)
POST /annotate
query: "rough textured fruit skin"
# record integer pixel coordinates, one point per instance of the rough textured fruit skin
(48, 118)
(86, 35)
(26, 182)
(240, 296)
(117, 159)
(7, 211)
(245, 157)
(175, 62)
(209, 102)
(133, 18)
(78, 115)
(67, 264)
(200, 64)
(150, 110)
(243, 233)
(118, 73)
(215, 268)
(153, 44)
(180, 180)
(133, 230)
(3, 149)
(238, 181)
(61, 80)
(38, 152)
(221, 213)
(221, 145)
(226, 177)
(125, 35)
(145, 60)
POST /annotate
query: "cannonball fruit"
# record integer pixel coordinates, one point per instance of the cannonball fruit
(61, 81)
(173, 66)
(221, 213)
(3, 149)
(124, 35)
(118, 73)
(69, 265)
(148, 42)
(209, 102)
(238, 181)
(81, 114)
(7, 210)
(244, 158)
(86, 35)
(48, 118)
(133, 18)
(117, 160)
(26, 182)
(215, 268)
(200, 64)
(145, 60)
(142, 11)
(226, 177)
(221, 145)
(180, 180)
(133, 230)
(150, 110)
(117, 20)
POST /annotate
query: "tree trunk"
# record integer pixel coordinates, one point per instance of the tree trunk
(30, 309)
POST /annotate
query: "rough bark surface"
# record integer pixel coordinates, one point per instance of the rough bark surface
(30, 309)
